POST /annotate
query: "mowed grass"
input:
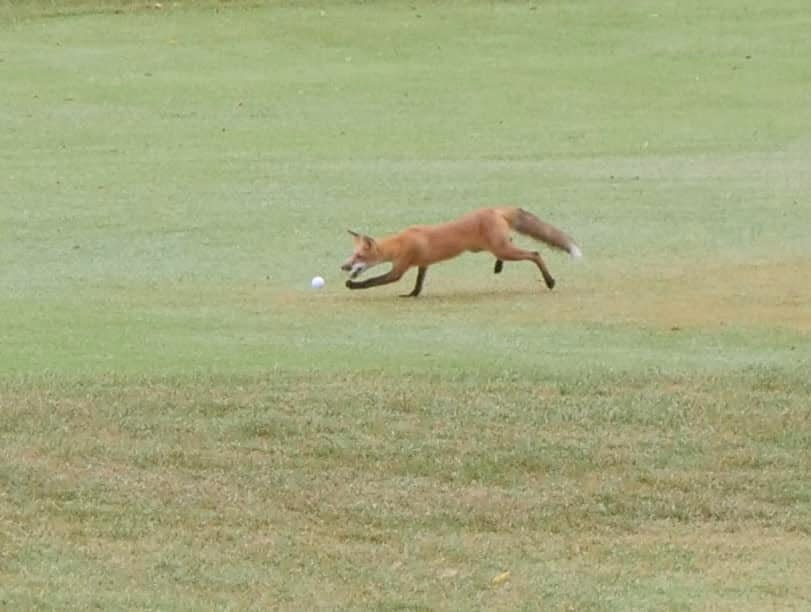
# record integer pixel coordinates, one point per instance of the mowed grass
(185, 424)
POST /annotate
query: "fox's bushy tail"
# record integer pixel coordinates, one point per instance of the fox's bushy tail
(524, 222)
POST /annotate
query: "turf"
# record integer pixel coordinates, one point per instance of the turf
(186, 424)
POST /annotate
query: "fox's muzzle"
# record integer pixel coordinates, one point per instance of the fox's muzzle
(354, 269)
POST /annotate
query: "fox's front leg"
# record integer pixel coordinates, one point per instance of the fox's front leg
(418, 286)
(392, 276)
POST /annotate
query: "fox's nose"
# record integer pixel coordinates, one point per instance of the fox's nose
(346, 267)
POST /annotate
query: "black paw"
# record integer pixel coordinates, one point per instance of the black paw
(550, 282)
(350, 284)
(499, 267)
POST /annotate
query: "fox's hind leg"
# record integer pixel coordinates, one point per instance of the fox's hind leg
(500, 264)
(508, 252)
(500, 245)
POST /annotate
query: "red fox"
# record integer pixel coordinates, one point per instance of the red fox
(486, 229)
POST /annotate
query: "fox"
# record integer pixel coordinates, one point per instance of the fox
(485, 229)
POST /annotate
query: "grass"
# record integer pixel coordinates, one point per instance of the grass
(186, 424)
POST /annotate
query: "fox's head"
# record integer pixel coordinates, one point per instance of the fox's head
(366, 254)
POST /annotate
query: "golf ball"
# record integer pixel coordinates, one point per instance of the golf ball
(317, 282)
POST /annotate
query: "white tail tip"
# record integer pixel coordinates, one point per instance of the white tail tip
(575, 251)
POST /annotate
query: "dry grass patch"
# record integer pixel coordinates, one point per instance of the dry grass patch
(271, 492)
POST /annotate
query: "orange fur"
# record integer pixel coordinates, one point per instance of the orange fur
(486, 229)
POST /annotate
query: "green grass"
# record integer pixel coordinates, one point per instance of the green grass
(185, 424)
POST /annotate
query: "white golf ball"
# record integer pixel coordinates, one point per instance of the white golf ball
(317, 282)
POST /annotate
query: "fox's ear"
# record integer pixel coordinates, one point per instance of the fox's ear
(353, 234)
(368, 241)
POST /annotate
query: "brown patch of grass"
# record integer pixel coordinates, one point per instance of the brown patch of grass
(768, 294)
(229, 491)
